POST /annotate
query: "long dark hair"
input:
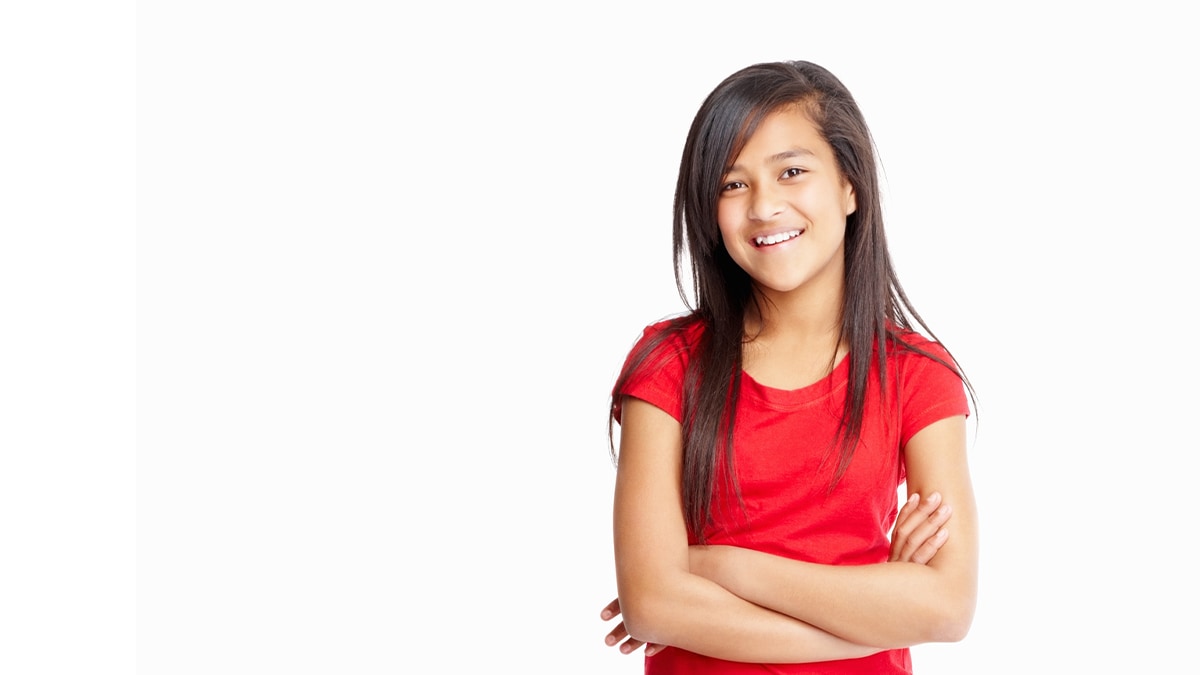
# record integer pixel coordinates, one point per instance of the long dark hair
(875, 311)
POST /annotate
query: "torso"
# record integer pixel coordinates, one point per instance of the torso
(788, 416)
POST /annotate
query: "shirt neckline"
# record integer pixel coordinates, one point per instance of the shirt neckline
(787, 399)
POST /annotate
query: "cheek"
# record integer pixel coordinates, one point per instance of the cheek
(726, 224)
(723, 214)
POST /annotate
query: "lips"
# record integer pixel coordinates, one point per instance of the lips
(777, 238)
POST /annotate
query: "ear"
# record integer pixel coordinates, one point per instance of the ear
(849, 201)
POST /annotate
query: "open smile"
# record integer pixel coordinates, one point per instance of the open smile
(778, 238)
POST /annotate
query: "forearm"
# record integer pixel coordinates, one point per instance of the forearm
(893, 604)
(662, 601)
(693, 613)
(887, 605)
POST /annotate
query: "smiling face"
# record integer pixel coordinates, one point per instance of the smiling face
(782, 209)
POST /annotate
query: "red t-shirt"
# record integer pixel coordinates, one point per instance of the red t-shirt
(785, 454)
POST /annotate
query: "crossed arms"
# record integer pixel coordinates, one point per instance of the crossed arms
(744, 605)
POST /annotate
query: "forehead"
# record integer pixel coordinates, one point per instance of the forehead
(785, 132)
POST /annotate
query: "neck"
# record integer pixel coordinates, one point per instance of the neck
(793, 344)
(794, 316)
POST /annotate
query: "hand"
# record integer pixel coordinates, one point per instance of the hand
(920, 531)
(619, 633)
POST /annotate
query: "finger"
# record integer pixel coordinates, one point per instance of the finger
(652, 649)
(940, 517)
(611, 609)
(909, 507)
(898, 530)
(924, 531)
(931, 546)
(630, 646)
(616, 634)
(915, 511)
(914, 515)
(911, 530)
(929, 504)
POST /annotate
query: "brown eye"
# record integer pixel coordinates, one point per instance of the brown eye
(792, 172)
(732, 186)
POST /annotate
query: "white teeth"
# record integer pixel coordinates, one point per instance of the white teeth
(776, 238)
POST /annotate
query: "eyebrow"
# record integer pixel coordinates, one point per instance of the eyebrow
(781, 156)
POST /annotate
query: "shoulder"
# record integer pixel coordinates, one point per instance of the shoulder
(928, 381)
(656, 366)
(908, 349)
(688, 325)
(673, 337)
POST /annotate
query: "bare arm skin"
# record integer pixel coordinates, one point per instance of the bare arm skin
(662, 601)
(918, 535)
(887, 605)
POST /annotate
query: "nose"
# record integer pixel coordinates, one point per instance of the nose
(765, 203)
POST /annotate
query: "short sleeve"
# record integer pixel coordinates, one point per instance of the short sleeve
(654, 371)
(930, 391)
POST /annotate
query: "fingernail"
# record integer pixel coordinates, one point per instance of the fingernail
(610, 640)
(606, 614)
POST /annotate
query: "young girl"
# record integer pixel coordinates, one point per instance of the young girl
(764, 434)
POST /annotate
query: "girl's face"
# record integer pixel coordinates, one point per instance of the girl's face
(782, 208)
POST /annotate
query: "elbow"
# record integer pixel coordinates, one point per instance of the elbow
(653, 601)
(646, 618)
(949, 610)
(951, 631)
(641, 630)
(641, 620)
(952, 623)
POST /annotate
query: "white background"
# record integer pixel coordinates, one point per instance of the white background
(310, 313)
